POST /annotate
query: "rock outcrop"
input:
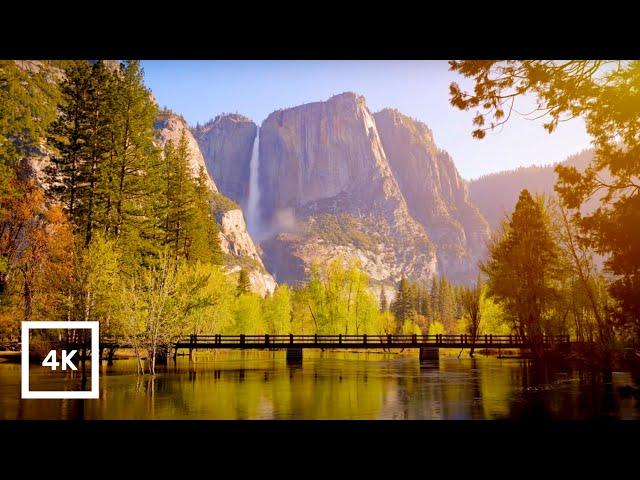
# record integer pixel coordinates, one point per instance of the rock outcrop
(226, 143)
(241, 251)
(326, 188)
(170, 127)
(435, 193)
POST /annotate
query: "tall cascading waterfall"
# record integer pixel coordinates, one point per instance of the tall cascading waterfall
(253, 200)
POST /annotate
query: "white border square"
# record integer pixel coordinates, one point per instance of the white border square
(95, 360)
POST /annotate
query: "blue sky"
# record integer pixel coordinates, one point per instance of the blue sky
(199, 90)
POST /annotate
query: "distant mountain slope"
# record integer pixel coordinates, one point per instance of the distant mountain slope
(496, 194)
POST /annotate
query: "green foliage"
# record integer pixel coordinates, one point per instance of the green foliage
(244, 284)
(343, 229)
(190, 230)
(222, 203)
(28, 100)
(403, 305)
(494, 319)
(277, 311)
(606, 95)
(436, 328)
(338, 299)
(523, 268)
(131, 174)
(81, 136)
(248, 314)
(213, 297)
(96, 282)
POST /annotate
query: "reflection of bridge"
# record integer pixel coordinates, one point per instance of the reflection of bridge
(428, 345)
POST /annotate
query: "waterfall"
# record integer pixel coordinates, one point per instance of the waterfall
(253, 200)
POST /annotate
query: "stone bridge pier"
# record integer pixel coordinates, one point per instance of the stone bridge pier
(429, 354)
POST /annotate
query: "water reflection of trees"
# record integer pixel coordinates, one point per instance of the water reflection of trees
(338, 386)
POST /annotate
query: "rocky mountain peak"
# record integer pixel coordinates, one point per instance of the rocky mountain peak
(418, 128)
(323, 168)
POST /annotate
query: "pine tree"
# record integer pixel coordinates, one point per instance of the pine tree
(434, 300)
(402, 306)
(384, 305)
(82, 137)
(244, 285)
(180, 197)
(523, 268)
(202, 230)
(189, 225)
(131, 180)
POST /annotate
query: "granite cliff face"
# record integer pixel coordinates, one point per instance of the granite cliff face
(435, 193)
(237, 245)
(226, 143)
(326, 188)
(170, 127)
(241, 251)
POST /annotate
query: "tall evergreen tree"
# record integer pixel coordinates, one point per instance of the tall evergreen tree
(384, 304)
(523, 268)
(180, 197)
(132, 176)
(203, 232)
(189, 226)
(81, 135)
(244, 285)
(402, 306)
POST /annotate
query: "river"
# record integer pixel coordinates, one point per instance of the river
(329, 385)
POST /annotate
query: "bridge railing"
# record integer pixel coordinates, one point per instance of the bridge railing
(269, 339)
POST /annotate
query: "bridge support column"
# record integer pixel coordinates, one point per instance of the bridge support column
(112, 350)
(429, 354)
(162, 355)
(294, 356)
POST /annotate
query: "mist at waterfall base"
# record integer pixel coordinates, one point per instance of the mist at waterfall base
(283, 220)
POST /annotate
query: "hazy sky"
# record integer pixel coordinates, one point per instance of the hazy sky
(199, 90)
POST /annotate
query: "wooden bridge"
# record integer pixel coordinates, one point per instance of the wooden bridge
(428, 345)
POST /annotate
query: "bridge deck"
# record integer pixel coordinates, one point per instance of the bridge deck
(258, 342)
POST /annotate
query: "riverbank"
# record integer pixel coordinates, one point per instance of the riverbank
(9, 356)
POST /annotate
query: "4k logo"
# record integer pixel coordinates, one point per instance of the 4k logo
(50, 360)
(66, 361)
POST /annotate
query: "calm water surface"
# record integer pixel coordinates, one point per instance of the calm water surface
(328, 385)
